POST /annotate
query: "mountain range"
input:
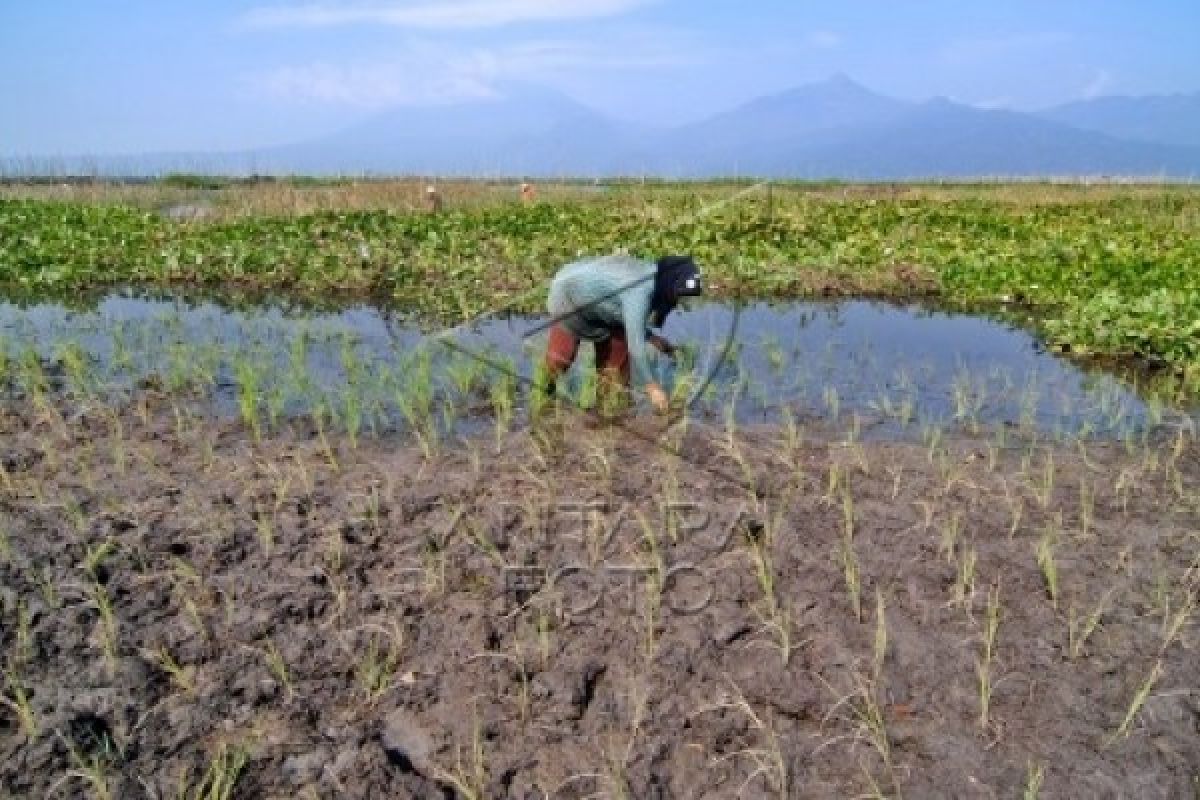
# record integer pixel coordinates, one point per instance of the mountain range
(834, 129)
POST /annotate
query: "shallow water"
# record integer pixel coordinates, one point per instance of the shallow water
(893, 368)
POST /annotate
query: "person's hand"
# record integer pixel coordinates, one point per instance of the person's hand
(658, 398)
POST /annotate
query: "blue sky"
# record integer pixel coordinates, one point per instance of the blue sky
(127, 76)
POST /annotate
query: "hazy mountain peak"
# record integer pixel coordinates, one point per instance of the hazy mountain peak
(833, 128)
(1166, 118)
(843, 82)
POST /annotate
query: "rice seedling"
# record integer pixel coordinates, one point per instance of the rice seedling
(1087, 506)
(951, 532)
(652, 617)
(75, 364)
(1080, 629)
(372, 509)
(1175, 621)
(792, 436)
(1016, 510)
(983, 665)
(249, 394)
(22, 651)
(92, 769)
(117, 442)
(870, 725)
(857, 450)
(319, 414)
(78, 520)
(897, 474)
(477, 536)
(183, 677)
(902, 410)
(502, 395)
(833, 483)
(766, 760)
(1135, 705)
(1044, 485)
(1044, 554)
(337, 587)
(468, 778)
(545, 629)
(848, 558)
(433, 564)
(880, 644)
(773, 350)
(31, 376)
(108, 625)
(963, 591)
(773, 613)
(833, 402)
(969, 399)
(376, 670)
(352, 413)
(733, 449)
(219, 779)
(652, 552)
(618, 752)
(276, 666)
(19, 703)
(264, 528)
(1035, 774)
(932, 435)
(95, 555)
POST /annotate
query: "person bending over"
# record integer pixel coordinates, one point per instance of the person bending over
(611, 301)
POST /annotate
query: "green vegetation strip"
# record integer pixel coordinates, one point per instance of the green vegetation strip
(1109, 273)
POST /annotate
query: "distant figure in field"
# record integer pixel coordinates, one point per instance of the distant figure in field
(528, 195)
(433, 199)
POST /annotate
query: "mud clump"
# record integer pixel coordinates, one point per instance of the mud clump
(576, 611)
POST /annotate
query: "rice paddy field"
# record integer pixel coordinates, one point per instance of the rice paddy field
(283, 514)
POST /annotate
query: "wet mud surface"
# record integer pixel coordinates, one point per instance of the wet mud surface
(578, 612)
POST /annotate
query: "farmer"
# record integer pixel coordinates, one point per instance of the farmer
(610, 302)
(433, 199)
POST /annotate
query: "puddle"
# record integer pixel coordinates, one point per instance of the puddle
(895, 369)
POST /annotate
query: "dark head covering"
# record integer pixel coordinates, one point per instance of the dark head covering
(677, 276)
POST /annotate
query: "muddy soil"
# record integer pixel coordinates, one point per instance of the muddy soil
(579, 612)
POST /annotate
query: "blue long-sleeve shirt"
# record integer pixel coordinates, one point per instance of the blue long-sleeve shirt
(594, 296)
